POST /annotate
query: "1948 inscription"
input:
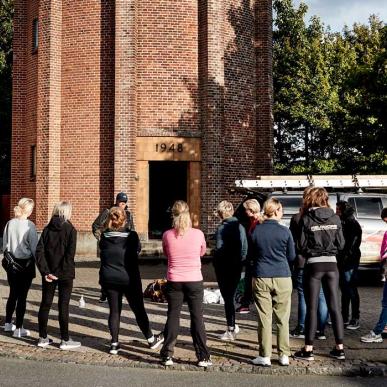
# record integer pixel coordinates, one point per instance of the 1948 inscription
(171, 147)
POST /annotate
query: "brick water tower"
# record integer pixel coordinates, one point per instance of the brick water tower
(162, 99)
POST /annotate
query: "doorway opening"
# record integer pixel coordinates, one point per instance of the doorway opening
(167, 183)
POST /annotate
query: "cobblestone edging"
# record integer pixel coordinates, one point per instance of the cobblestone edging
(349, 368)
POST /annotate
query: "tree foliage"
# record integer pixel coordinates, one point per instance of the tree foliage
(330, 94)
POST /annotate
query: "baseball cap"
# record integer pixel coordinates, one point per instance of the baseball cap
(121, 197)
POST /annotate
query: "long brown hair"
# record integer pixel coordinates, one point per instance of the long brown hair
(316, 197)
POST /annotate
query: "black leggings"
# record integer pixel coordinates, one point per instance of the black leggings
(228, 283)
(65, 288)
(136, 302)
(19, 285)
(327, 275)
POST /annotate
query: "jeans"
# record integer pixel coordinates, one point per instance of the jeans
(65, 288)
(177, 293)
(349, 294)
(383, 314)
(322, 305)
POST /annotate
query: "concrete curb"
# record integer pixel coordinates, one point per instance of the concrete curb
(355, 368)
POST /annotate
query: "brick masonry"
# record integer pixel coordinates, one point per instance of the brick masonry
(107, 73)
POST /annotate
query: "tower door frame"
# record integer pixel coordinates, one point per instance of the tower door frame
(166, 149)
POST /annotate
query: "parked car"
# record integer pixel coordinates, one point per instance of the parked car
(368, 207)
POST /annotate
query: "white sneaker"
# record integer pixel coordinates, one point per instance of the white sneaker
(21, 332)
(283, 360)
(262, 361)
(372, 337)
(230, 334)
(69, 344)
(9, 327)
(205, 363)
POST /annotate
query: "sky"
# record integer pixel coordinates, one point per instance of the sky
(337, 13)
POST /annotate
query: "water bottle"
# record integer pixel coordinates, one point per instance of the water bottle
(82, 302)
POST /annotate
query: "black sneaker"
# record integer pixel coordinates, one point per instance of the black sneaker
(353, 324)
(158, 340)
(114, 348)
(337, 354)
(102, 299)
(304, 355)
(298, 333)
(320, 335)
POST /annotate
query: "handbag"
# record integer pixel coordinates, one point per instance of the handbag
(10, 265)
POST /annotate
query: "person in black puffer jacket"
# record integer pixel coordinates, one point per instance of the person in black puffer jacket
(119, 276)
(321, 239)
(348, 263)
(55, 260)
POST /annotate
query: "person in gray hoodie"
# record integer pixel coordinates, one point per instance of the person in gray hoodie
(230, 252)
(20, 239)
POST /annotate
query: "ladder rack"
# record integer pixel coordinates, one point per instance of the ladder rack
(303, 181)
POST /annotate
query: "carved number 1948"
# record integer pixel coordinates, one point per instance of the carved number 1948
(163, 147)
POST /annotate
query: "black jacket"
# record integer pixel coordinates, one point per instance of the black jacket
(56, 249)
(99, 222)
(349, 257)
(119, 258)
(295, 229)
(231, 245)
(320, 233)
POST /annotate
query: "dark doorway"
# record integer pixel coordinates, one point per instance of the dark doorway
(167, 183)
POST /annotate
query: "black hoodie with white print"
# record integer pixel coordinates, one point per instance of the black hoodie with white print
(321, 233)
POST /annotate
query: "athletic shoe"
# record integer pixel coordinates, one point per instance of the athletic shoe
(346, 323)
(44, 342)
(9, 327)
(69, 344)
(21, 332)
(320, 335)
(304, 355)
(158, 340)
(283, 360)
(167, 361)
(230, 334)
(243, 309)
(353, 324)
(337, 354)
(298, 333)
(372, 337)
(114, 348)
(102, 299)
(205, 362)
(263, 361)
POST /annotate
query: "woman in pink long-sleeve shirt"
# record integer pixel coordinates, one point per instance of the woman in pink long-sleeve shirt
(375, 336)
(184, 245)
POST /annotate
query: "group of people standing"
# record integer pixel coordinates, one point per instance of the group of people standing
(321, 246)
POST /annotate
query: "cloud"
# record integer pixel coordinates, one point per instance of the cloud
(337, 13)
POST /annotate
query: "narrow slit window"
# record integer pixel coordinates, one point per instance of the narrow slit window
(33, 161)
(35, 34)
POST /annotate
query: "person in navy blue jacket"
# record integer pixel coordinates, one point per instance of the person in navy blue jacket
(273, 250)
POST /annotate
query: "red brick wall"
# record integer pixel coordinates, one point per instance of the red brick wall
(24, 102)
(167, 68)
(109, 71)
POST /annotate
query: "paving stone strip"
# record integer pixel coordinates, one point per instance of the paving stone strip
(89, 325)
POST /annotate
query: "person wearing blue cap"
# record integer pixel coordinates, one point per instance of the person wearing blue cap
(98, 224)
